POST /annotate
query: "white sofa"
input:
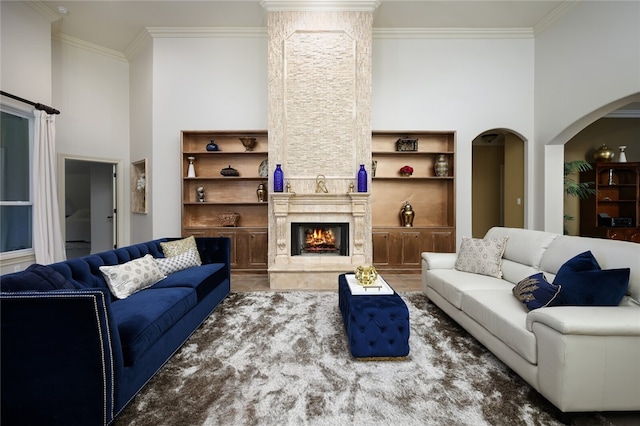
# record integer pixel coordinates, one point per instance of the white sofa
(580, 358)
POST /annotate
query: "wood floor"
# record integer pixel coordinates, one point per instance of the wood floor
(260, 282)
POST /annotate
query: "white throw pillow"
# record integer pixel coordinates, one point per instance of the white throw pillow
(169, 265)
(481, 256)
(124, 280)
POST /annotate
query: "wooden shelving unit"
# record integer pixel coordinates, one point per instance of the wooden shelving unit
(249, 239)
(395, 247)
(614, 212)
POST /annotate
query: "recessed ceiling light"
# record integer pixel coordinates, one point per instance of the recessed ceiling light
(63, 10)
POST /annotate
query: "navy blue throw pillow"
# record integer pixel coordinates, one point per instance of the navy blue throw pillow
(582, 262)
(585, 283)
(536, 292)
(605, 287)
(35, 278)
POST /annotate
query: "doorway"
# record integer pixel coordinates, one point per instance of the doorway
(497, 181)
(90, 206)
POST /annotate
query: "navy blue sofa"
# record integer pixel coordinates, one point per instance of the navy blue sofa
(72, 354)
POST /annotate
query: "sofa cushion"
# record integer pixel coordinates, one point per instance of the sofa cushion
(169, 265)
(481, 256)
(35, 278)
(504, 317)
(451, 284)
(203, 278)
(146, 315)
(526, 246)
(130, 277)
(176, 247)
(536, 292)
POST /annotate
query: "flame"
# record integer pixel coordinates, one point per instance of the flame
(320, 237)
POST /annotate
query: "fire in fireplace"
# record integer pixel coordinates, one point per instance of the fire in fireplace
(320, 238)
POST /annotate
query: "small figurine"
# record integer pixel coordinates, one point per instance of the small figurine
(320, 184)
(351, 187)
(406, 215)
(261, 191)
(200, 192)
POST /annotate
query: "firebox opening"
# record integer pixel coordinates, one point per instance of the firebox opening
(319, 238)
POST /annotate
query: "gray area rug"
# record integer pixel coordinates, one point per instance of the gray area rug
(268, 358)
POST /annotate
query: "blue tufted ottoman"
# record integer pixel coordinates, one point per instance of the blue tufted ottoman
(376, 326)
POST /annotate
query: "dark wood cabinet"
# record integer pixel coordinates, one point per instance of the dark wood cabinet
(399, 250)
(614, 211)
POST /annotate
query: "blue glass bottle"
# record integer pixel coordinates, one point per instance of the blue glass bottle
(278, 179)
(362, 179)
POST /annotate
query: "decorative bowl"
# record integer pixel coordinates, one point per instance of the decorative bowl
(229, 218)
(229, 171)
(248, 143)
(366, 275)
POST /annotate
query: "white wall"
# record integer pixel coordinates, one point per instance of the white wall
(91, 90)
(25, 71)
(586, 65)
(200, 84)
(25, 68)
(141, 105)
(451, 84)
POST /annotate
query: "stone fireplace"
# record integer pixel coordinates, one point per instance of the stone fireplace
(346, 212)
(320, 132)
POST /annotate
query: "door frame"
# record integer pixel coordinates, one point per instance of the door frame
(119, 189)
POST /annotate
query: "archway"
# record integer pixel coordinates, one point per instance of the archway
(498, 181)
(554, 159)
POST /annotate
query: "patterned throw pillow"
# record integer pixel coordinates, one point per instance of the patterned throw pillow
(174, 248)
(169, 265)
(536, 292)
(481, 256)
(124, 280)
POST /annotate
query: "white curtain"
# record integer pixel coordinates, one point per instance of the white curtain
(48, 243)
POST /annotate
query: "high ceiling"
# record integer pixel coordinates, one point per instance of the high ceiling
(116, 24)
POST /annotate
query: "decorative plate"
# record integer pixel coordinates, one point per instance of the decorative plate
(263, 169)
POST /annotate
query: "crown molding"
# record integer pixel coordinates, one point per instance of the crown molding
(131, 51)
(191, 32)
(449, 33)
(320, 6)
(205, 32)
(553, 16)
(85, 45)
(43, 10)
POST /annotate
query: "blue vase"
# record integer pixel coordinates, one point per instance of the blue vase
(211, 146)
(278, 179)
(362, 179)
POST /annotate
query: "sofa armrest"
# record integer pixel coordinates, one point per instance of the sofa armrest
(439, 260)
(588, 320)
(214, 249)
(60, 357)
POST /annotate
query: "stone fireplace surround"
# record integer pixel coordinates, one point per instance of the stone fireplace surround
(319, 61)
(317, 271)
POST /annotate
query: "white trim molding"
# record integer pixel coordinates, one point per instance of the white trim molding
(453, 33)
(320, 6)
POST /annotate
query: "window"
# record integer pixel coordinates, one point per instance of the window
(16, 205)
